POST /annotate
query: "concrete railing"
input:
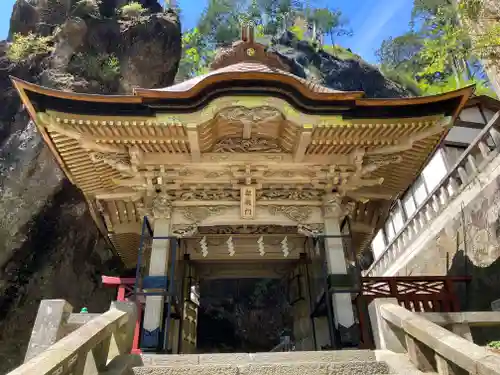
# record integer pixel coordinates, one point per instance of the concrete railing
(430, 346)
(63, 343)
(481, 151)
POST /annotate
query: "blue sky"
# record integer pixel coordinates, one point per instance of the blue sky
(371, 20)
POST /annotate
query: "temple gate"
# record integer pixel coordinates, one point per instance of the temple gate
(247, 171)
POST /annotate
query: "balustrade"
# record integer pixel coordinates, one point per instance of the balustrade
(102, 343)
(481, 151)
(430, 346)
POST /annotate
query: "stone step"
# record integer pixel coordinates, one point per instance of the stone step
(252, 358)
(297, 368)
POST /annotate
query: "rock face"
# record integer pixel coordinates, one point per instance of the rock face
(49, 246)
(468, 245)
(345, 74)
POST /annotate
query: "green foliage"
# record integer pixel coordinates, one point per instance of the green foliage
(401, 52)
(340, 52)
(196, 57)
(298, 31)
(220, 24)
(25, 46)
(259, 31)
(444, 52)
(132, 10)
(101, 67)
(454, 83)
(403, 78)
(494, 344)
(327, 22)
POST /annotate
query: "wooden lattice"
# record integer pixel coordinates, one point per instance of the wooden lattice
(417, 293)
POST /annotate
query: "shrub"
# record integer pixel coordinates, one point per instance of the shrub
(402, 78)
(341, 52)
(494, 344)
(110, 68)
(132, 10)
(101, 67)
(25, 46)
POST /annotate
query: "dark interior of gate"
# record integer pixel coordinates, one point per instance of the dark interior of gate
(271, 305)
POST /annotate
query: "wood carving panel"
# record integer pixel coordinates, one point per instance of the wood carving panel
(198, 214)
(254, 144)
(250, 115)
(248, 229)
(277, 194)
(298, 214)
(208, 195)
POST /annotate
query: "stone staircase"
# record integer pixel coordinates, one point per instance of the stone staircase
(344, 362)
(409, 343)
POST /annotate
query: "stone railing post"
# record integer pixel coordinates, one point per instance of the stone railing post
(125, 338)
(385, 337)
(48, 327)
(431, 347)
(110, 356)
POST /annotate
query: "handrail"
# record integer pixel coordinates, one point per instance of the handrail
(429, 346)
(441, 191)
(69, 355)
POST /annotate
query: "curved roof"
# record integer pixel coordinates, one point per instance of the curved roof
(247, 71)
(243, 69)
(248, 60)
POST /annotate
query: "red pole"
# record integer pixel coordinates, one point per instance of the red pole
(121, 284)
(121, 293)
(137, 331)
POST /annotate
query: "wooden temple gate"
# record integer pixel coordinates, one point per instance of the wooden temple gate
(416, 293)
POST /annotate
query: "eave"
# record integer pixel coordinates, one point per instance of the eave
(166, 135)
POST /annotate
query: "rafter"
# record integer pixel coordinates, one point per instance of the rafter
(303, 142)
(194, 142)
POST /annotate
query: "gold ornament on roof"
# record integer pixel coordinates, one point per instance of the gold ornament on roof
(250, 52)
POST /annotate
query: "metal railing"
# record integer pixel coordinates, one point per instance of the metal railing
(474, 159)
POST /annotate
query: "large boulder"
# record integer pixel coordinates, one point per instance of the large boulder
(346, 73)
(49, 246)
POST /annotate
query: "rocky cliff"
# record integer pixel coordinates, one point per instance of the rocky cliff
(336, 67)
(49, 246)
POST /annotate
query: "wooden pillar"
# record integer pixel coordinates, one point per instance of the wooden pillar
(302, 327)
(190, 313)
(158, 269)
(336, 262)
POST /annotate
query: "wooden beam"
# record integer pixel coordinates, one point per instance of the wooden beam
(136, 139)
(127, 228)
(304, 141)
(194, 142)
(247, 130)
(220, 159)
(408, 143)
(127, 196)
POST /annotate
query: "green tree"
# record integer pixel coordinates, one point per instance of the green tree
(401, 52)
(443, 48)
(220, 22)
(196, 55)
(327, 22)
